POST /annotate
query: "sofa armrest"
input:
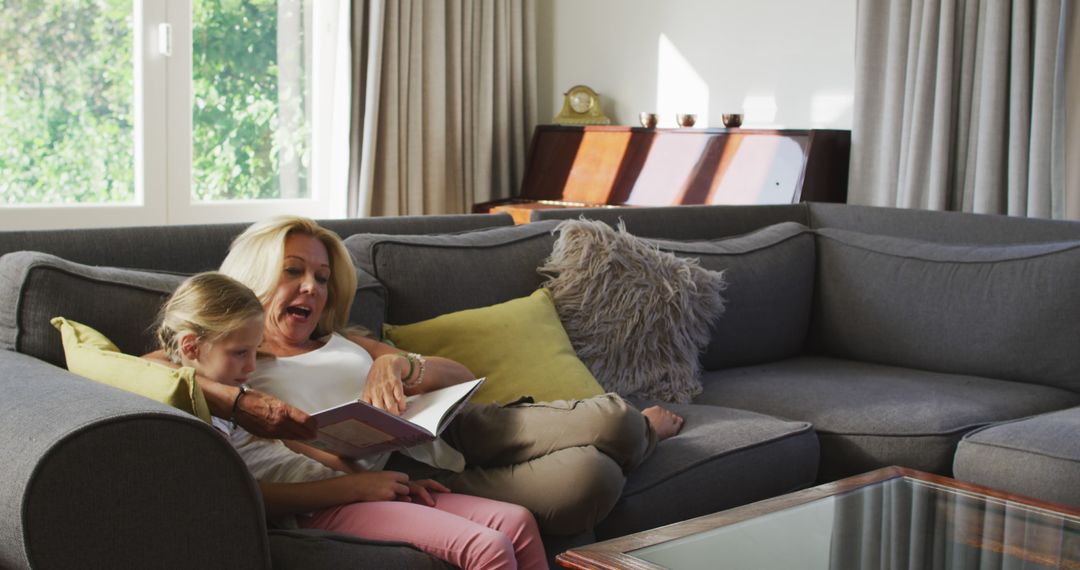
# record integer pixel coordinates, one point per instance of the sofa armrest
(95, 477)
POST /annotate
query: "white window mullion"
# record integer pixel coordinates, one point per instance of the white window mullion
(178, 113)
(151, 94)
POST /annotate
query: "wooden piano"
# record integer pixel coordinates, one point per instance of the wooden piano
(631, 166)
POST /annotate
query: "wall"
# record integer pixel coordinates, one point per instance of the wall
(784, 63)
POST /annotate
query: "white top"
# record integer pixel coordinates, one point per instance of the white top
(327, 376)
(269, 459)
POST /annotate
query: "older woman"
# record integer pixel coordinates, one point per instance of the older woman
(305, 280)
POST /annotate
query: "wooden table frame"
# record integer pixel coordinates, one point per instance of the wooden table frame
(612, 554)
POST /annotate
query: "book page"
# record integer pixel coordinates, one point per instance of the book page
(356, 429)
(427, 410)
(356, 432)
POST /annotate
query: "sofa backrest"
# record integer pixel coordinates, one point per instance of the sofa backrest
(425, 276)
(942, 227)
(685, 222)
(1010, 312)
(770, 287)
(195, 248)
(115, 279)
(122, 304)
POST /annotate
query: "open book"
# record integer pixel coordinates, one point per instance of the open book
(355, 429)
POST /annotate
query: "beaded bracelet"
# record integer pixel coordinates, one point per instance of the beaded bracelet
(408, 357)
(420, 376)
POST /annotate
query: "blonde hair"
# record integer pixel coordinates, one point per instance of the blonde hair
(209, 305)
(255, 259)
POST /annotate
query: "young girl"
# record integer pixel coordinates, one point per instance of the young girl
(215, 325)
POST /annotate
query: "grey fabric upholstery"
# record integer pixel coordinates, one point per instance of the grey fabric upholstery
(369, 305)
(685, 222)
(69, 443)
(770, 275)
(35, 287)
(427, 276)
(195, 248)
(307, 549)
(943, 227)
(94, 477)
(1037, 456)
(722, 458)
(869, 416)
(1009, 312)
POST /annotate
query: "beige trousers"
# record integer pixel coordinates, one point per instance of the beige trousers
(566, 461)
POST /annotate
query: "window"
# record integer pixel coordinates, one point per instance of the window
(163, 111)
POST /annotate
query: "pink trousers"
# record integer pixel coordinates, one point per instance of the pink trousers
(469, 532)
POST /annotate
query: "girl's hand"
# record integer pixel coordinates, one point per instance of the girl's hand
(383, 388)
(378, 486)
(420, 491)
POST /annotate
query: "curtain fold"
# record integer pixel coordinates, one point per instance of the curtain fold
(446, 104)
(960, 105)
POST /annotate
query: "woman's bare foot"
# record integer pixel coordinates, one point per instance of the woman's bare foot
(663, 421)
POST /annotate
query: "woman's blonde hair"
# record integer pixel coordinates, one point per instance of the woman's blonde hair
(255, 259)
(209, 305)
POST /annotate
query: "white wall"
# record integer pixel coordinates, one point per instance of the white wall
(784, 63)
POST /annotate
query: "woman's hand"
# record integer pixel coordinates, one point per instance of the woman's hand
(420, 491)
(383, 388)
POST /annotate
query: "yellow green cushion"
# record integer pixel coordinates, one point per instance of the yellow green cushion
(93, 356)
(519, 346)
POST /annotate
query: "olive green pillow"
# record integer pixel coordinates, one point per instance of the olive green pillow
(519, 346)
(91, 355)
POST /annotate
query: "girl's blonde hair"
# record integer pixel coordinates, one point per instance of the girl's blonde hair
(209, 305)
(255, 259)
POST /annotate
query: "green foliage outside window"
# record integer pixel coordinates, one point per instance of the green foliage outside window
(67, 102)
(239, 141)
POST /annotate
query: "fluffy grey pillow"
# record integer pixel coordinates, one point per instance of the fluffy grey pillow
(638, 317)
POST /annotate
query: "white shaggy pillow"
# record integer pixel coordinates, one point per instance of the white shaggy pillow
(638, 317)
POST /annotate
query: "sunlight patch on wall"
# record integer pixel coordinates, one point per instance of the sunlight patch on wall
(679, 87)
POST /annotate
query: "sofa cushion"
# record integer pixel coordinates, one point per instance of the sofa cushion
(722, 458)
(1037, 456)
(429, 275)
(637, 316)
(869, 415)
(519, 346)
(121, 303)
(770, 275)
(91, 355)
(1010, 312)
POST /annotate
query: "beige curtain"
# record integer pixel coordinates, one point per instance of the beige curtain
(444, 103)
(960, 105)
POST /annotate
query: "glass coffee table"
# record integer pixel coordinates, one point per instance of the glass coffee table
(892, 518)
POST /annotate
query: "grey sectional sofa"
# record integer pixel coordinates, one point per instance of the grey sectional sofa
(940, 341)
(847, 345)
